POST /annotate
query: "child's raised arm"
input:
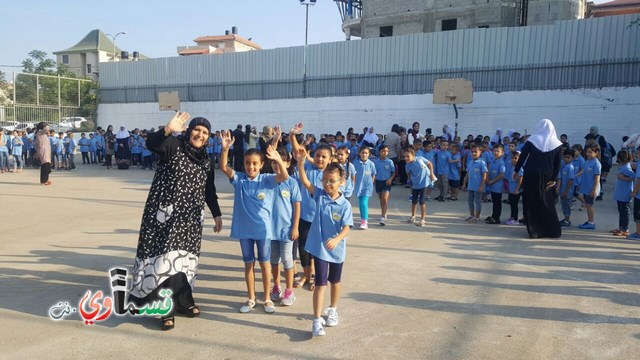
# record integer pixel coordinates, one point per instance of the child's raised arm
(301, 155)
(226, 142)
(272, 154)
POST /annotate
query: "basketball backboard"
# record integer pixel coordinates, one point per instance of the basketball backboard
(452, 91)
(169, 101)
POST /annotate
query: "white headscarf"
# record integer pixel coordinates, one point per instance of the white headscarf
(497, 138)
(370, 136)
(122, 133)
(447, 133)
(544, 136)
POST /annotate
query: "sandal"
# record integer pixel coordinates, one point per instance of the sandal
(248, 306)
(269, 307)
(191, 311)
(168, 323)
(300, 283)
(621, 233)
(312, 283)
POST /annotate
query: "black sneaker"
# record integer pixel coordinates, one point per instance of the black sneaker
(599, 197)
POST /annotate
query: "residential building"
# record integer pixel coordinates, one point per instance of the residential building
(219, 44)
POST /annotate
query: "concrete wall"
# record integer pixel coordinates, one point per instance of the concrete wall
(614, 110)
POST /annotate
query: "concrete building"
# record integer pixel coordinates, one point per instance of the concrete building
(84, 58)
(616, 7)
(219, 44)
(380, 18)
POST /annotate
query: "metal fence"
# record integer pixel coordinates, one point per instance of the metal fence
(593, 53)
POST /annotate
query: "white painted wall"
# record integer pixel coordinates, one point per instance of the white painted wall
(616, 111)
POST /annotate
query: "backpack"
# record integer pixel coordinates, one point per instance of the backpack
(608, 152)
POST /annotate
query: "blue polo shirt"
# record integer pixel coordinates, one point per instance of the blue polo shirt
(16, 146)
(329, 219)
(349, 173)
(287, 193)
(420, 173)
(566, 173)
(84, 144)
(143, 144)
(495, 169)
(511, 182)
(365, 171)
(454, 168)
(253, 206)
(623, 188)
(591, 169)
(431, 156)
(384, 169)
(308, 205)
(578, 164)
(475, 170)
(442, 163)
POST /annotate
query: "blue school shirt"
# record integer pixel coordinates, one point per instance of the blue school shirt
(16, 147)
(308, 205)
(70, 146)
(475, 170)
(26, 144)
(329, 219)
(421, 153)
(420, 173)
(495, 169)
(384, 169)
(487, 156)
(511, 182)
(347, 188)
(84, 144)
(637, 179)
(287, 193)
(578, 164)
(454, 168)
(253, 206)
(135, 144)
(442, 162)
(145, 152)
(353, 152)
(623, 188)
(60, 145)
(210, 144)
(99, 142)
(591, 169)
(365, 171)
(566, 173)
(93, 144)
(431, 156)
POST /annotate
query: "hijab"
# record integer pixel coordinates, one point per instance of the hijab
(544, 136)
(371, 136)
(122, 133)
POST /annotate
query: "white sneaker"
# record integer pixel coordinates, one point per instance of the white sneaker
(422, 223)
(411, 219)
(332, 316)
(317, 329)
(364, 225)
(383, 221)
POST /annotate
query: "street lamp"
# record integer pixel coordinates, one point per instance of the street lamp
(306, 37)
(113, 37)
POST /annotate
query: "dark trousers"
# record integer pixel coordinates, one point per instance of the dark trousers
(303, 231)
(514, 199)
(45, 170)
(108, 160)
(238, 160)
(85, 158)
(624, 211)
(496, 200)
(402, 171)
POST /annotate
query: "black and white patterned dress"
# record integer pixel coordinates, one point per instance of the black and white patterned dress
(171, 229)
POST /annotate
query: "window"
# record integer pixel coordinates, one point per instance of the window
(88, 68)
(483, 27)
(65, 59)
(450, 24)
(386, 31)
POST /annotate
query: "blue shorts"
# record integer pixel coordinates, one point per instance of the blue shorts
(589, 200)
(327, 272)
(248, 253)
(454, 184)
(381, 185)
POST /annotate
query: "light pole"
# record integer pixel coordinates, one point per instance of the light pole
(306, 37)
(113, 37)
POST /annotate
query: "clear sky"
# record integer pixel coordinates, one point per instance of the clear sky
(156, 28)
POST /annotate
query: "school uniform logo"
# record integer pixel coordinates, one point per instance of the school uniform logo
(367, 173)
(335, 216)
(387, 167)
(261, 196)
(476, 170)
(285, 193)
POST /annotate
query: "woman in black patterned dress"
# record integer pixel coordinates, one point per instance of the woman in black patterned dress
(171, 230)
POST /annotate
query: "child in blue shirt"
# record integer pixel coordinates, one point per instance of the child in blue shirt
(365, 178)
(635, 194)
(286, 219)
(93, 148)
(455, 164)
(565, 186)
(495, 183)
(429, 154)
(60, 151)
(420, 171)
(16, 151)
(590, 183)
(385, 172)
(474, 183)
(442, 170)
(252, 215)
(70, 151)
(514, 183)
(327, 238)
(487, 156)
(147, 155)
(622, 192)
(342, 155)
(578, 165)
(84, 144)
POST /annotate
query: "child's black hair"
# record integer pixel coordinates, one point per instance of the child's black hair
(335, 167)
(623, 157)
(426, 143)
(498, 146)
(326, 147)
(568, 152)
(382, 147)
(254, 151)
(346, 166)
(286, 157)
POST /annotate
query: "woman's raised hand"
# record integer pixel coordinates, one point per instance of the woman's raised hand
(227, 139)
(177, 122)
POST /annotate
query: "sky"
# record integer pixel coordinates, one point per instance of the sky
(156, 28)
